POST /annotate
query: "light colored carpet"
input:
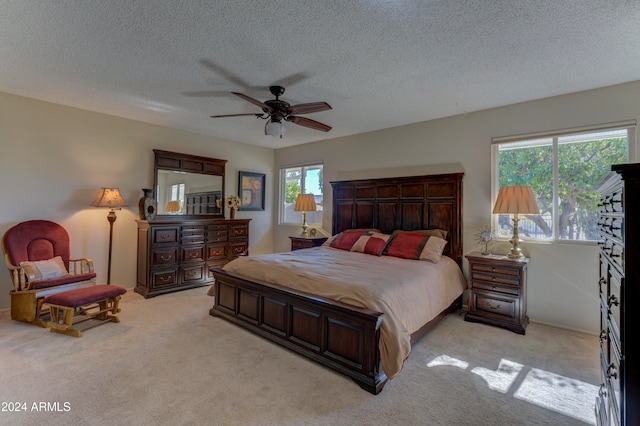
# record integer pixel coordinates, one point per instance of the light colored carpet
(170, 363)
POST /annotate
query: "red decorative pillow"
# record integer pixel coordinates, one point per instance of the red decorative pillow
(371, 244)
(346, 240)
(416, 246)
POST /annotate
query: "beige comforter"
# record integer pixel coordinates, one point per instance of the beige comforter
(410, 293)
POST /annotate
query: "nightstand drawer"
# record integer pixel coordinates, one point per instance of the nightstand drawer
(299, 243)
(513, 280)
(495, 269)
(496, 306)
(508, 289)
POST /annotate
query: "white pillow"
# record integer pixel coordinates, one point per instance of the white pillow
(45, 269)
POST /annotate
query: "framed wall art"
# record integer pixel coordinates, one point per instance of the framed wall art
(251, 190)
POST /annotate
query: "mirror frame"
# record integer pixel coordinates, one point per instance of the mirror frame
(167, 160)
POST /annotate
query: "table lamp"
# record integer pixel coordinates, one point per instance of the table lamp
(172, 207)
(305, 203)
(515, 200)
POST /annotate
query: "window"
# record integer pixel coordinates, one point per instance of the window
(563, 170)
(300, 180)
(176, 192)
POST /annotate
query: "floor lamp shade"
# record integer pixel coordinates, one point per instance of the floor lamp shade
(305, 203)
(111, 198)
(516, 200)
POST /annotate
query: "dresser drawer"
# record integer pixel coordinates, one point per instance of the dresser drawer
(611, 226)
(193, 253)
(164, 256)
(164, 279)
(613, 303)
(165, 235)
(239, 249)
(216, 251)
(218, 233)
(239, 232)
(193, 273)
(611, 372)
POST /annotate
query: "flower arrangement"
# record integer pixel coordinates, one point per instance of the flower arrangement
(233, 201)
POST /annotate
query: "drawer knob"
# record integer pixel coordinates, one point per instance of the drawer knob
(603, 390)
(612, 372)
(493, 306)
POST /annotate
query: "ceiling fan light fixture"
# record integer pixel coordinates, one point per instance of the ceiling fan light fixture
(274, 128)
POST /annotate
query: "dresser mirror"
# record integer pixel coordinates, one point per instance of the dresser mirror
(188, 185)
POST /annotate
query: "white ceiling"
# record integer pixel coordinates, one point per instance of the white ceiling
(378, 63)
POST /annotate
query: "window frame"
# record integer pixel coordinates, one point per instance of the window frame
(629, 126)
(282, 193)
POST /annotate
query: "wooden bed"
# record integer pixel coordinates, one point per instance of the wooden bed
(340, 336)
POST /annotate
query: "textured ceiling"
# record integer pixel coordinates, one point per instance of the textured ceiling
(378, 63)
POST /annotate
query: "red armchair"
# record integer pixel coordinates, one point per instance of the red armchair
(37, 254)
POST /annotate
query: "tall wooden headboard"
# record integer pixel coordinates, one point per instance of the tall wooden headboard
(407, 203)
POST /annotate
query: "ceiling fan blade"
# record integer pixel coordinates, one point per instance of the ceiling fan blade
(306, 122)
(265, 107)
(308, 108)
(235, 115)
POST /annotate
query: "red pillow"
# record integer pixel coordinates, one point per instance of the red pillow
(346, 240)
(407, 245)
(371, 244)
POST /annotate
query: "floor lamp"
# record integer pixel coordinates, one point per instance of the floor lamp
(111, 198)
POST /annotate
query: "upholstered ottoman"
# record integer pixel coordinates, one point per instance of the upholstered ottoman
(88, 303)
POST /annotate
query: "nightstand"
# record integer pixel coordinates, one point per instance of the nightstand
(298, 242)
(498, 291)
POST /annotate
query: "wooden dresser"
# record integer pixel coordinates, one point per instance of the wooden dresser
(498, 291)
(177, 255)
(618, 400)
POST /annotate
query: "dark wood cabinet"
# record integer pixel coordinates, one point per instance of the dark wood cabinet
(177, 255)
(618, 402)
(498, 291)
(298, 242)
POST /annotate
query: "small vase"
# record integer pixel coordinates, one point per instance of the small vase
(147, 205)
(232, 212)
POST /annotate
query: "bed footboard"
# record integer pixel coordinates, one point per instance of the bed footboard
(339, 336)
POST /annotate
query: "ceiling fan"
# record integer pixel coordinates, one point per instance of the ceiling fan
(277, 111)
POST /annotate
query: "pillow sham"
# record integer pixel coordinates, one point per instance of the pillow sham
(433, 249)
(410, 245)
(371, 244)
(329, 242)
(346, 239)
(45, 269)
(435, 232)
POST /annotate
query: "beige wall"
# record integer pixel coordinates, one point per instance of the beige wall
(562, 277)
(53, 159)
